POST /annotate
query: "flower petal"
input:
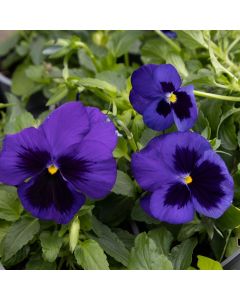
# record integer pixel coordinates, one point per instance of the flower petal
(158, 116)
(144, 82)
(167, 76)
(181, 150)
(171, 203)
(212, 186)
(65, 126)
(145, 204)
(150, 171)
(90, 167)
(185, 110)
(23, 155)
(138, 102)
(49, 197)
(102, 128)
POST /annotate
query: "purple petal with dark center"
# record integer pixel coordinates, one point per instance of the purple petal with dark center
(172, 203)
(148, 167)
(167, 76)
(90, 167)
(49, 197)
(145, 83)
(23, 155)
(102, 128)
(158, 116)
(185, 108)
(212, 186)
(178, 145)
(138, 102)
(65, 126)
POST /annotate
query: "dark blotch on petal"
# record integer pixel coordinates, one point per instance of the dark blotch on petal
(167, 87)
(163, 108)
(185, 159)
(206, 185)
(182, 105)
(48, 190)
(178, 195)
(74, 168)
(33, 160)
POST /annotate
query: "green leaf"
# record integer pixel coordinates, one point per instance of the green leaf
(154, 51)
(10, 206)
(85, 61)
(138, 214)
(20, 234)
(137, 127)
(114, 78)
(177, 61)
(51, 245)
(90, 256)
(21, 84)
(4, 228)
(205, 263)
(219, 68)
(145, 255)
(122, 149)
(21, 255)
(208, 107)
(97, 83)
(114, 209)
(74, 233)
(192, 38)
(147, 135)
(110, 242)
(1, 266)
(60, 92)
(37, 263)
(189, 229)
(124, 185)
(121, 41)
(232, 246)
(162, 238)
(202, 123)
(37, 73)
(126, 237)
(228, 136)
(230, 219)
(36, 49)
(182, 254)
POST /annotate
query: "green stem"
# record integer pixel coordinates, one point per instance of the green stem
(126, 59)
(168, 40)
(216, 96)
(225, 246)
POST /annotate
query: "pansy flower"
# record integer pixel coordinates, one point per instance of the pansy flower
(182, 175)
(158, 96)
(56, 165)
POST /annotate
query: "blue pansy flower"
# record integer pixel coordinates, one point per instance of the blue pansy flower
(182, 175)
(56, 165)
(169, 33)
(158, 96)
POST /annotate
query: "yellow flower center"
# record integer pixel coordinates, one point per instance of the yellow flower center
(172, 98)
(52, 169)
(188, 179)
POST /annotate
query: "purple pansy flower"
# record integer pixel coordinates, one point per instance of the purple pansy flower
(170, 34)
(158, 96)
(182, 175)
(56, 165)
